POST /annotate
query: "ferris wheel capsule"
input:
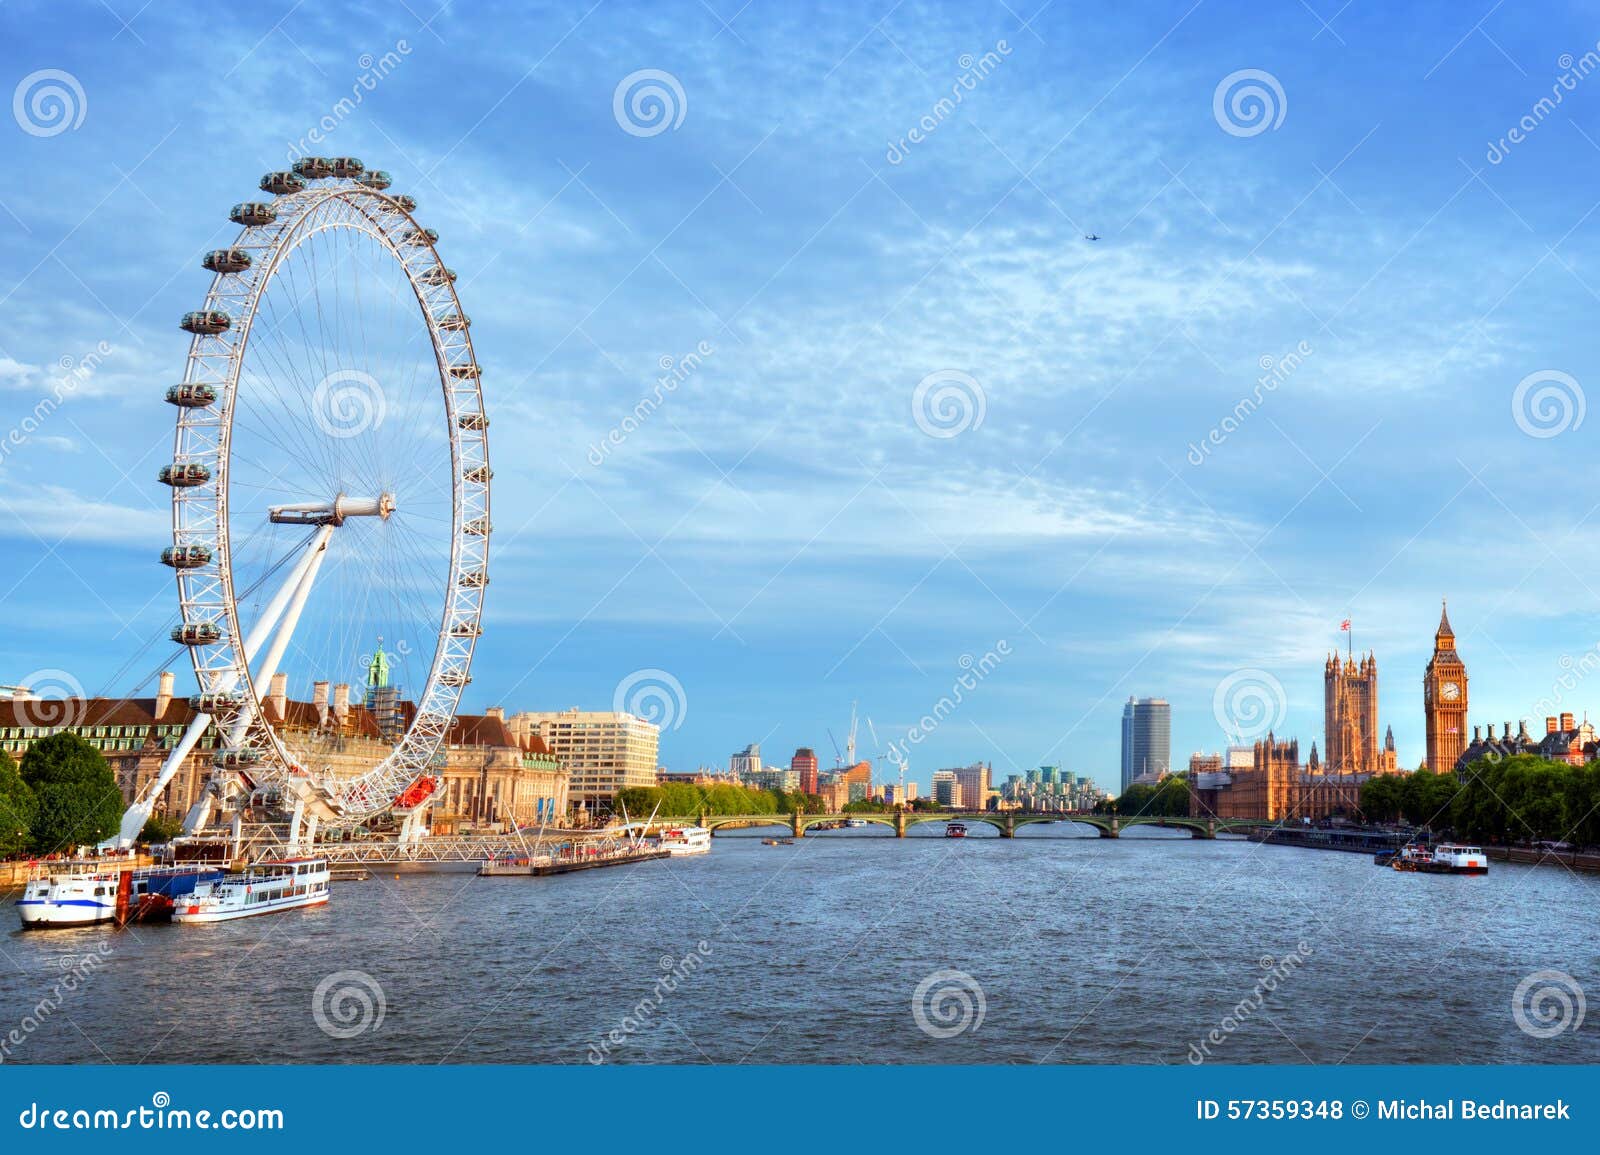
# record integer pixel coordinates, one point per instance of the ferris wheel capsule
(421, 237)
(409, 203)
(375, 179)
(455, 677)
(474, 580)
(438, 275)
(346, 167)
(313, 167)
(467, 372)
(477, 527)
(184, 474)
(192, 395)
(477, 474)
(455, 321)
(237, 758)
(282, 183)
(206, 322)
(186, 556)
(196, 633)
(472, 421)
(253, 213)
(226, 260)
(214, 703)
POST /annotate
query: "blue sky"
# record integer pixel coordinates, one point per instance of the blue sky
(781, 536)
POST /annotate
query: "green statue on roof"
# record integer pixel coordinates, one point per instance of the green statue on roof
(378, 668)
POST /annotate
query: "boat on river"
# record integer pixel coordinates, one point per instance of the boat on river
(955, 830)
(1445, 858)
(679, 840)
(266, 888)
(86, 898)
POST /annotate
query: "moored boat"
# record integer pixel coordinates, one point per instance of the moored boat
(1455, 858)
(266, 888)
(679, 840)
(86, 898)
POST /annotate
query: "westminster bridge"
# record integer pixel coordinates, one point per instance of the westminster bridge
(1006, 822)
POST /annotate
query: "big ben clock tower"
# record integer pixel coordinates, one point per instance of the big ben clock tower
(1444, 694)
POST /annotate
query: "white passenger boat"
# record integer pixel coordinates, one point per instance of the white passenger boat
(1458, 859)
(676, 840)
(85, 898)
(266, 888)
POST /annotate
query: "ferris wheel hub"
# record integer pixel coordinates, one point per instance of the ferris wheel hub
(332, 512)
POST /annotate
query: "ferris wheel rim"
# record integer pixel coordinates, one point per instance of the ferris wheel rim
(203, 436)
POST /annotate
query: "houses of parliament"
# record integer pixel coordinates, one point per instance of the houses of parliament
(1269, 782)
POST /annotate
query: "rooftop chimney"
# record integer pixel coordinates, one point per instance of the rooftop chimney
(341, 702)
(1550, 724)
(164, 694)
(278, 694)
(319, 701)
(1567, 722)
(498, 713)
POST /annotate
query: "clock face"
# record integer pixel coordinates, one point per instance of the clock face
(1450, 692)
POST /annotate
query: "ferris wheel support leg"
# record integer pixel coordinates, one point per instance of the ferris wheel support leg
(301, 582)
(295, 823)
(139, 812)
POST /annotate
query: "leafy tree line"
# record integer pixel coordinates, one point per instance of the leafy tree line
(683, 800)
(63, 795)
(1521, 798)
(1167, 799)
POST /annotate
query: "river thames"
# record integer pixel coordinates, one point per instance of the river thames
(1056, 946)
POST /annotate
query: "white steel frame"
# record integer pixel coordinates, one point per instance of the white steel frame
(200, 514)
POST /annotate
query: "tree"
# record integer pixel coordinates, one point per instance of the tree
(77, 798)
(17, 808)
(1380, 798)
(159, 829)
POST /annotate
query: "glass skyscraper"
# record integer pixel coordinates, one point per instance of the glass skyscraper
(1146, 738)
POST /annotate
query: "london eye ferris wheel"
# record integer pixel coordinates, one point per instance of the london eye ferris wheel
(330, 488)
